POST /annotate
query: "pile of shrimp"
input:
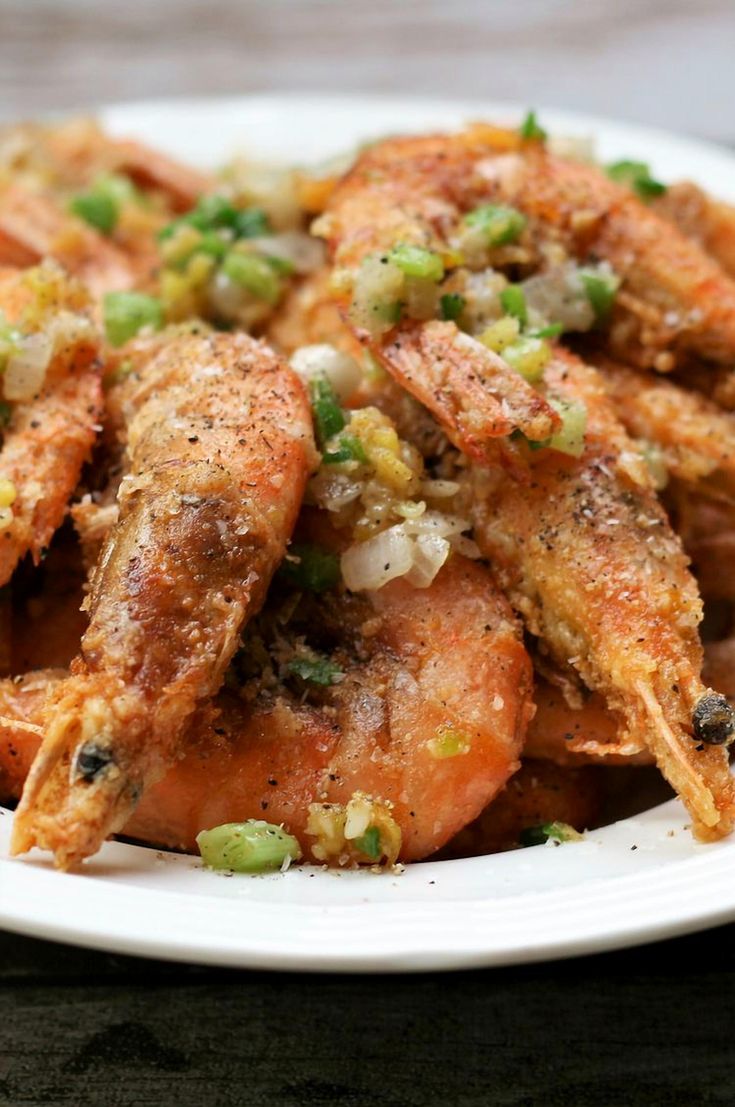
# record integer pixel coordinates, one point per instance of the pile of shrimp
(360, 517)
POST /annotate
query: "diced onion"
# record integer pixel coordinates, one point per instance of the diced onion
(436, 523)
(26, 368)
(322, 359)
(303, 251)
(429, 554)
(369, 565)
(415, 549)
(558, 296)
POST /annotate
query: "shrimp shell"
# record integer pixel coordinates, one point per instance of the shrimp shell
(219, 447)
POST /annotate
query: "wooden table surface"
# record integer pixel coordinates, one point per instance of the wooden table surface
(647, 1026)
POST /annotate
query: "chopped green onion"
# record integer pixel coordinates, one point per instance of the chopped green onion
(6, 413)
(252, 223)
(369, 843)
(250, 847)
(570, 439)
(600, 288)
(98, 209)
(531, 130)
(637, 175)
(127, 313)
(557, 832)
(315, 670)
(310, 568)
(212, 244)
(282, 266)
(498, 224)
(389, 312)
(253, 273)
(348, 448)
(513, 302)
(415, 261)
(329, 419)
(213, 213)
(553, 330)
(452, 304)
(528, 356)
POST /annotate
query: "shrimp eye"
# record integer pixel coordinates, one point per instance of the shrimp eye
(713, 720)
(92, 760)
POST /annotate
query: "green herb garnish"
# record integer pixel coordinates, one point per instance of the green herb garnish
(252, 223)
(553, 330)
(310, 568)
(600, 289)
(530, 129)
(348, 448)
(96, 209)
(315, 670)
(637, 175)
(329, 419)
(451, 305)
(557, 832)
(369, 843)
(415, 261)
(127, 313)
(499, 224)
(252, 272)
(513, 302)
(250, 847)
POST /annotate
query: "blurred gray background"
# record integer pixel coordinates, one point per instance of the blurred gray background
(666, 62)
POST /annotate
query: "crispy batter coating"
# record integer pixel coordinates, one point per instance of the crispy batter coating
(586, 553)
(674, 299)
(49, 437)
(444, 664)
(695, 436)
(219, 448)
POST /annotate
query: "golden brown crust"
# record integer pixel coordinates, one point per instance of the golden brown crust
(219, 448)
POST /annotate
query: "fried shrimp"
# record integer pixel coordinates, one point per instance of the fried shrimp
(219, 447)
(52, 400)
(586, 554)
(479, 198)
(34, 225)
(423, 726)
(693, 437)
(709, 222)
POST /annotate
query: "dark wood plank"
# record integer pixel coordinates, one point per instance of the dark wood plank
(644, 1026)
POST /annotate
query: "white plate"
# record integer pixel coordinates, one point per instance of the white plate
(638, 880)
